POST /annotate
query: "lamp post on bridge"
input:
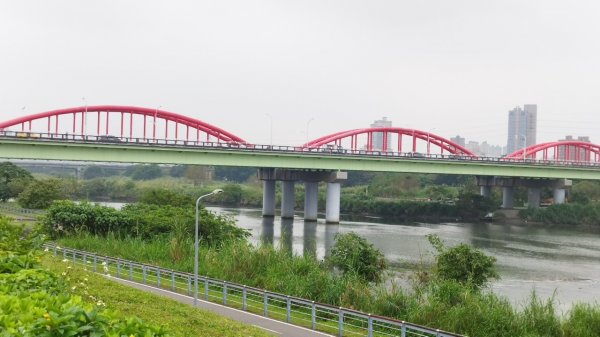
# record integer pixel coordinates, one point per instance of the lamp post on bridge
(270, 128)
(307, 125)
(154, 122)
(217, 191)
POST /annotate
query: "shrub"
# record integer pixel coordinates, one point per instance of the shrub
(354, 254)
(463, 263)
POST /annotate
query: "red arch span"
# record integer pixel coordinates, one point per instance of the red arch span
(83, 112)
(570, 150)
(386, 133)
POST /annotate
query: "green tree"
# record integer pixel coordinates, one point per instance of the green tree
(236, 174)
(177, 171)
(463, 263)
(146, 172)
(13, 180)
(198, 173)
(159, 196)
(94, 171)
(354, 254)
(41, 193)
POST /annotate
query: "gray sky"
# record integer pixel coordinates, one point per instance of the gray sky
(449, 67)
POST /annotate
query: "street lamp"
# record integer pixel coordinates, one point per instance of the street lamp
(154, 122)
(307, 125)
(217, 191)
(271, 129)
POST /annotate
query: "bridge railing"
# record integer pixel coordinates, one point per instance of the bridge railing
(329, 150)
(309, 314)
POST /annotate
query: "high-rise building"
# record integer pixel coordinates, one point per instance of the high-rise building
(458, 140)
(571, 153)
(378, 136)
(522, 127)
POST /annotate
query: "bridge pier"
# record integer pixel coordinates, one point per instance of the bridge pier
(268, 209)
(508, 197)
(533, 197)
(332, 203)
(485, 191)
(288, 200)
(559, 196)
(311, 181)
(311, 200)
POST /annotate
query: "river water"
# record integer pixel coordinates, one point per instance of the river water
(559, 260)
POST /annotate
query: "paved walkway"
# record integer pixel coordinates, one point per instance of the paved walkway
(276, 328)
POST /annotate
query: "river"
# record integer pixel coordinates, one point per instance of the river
(557, 260)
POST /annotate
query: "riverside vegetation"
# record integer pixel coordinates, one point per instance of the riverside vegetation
(451, 295)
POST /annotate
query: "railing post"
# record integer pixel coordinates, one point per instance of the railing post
(95, 263)
(189, 281)
(244, 299)
(341, 322)
(144, 274)
(288, 306)
(313, 316)
(85, 261)
(224, 292)
(265, 304)
(370, 327)
(118, 267)
(64, 253)
(206, 288)
(157, 277)
(55, 251)
(74, 257)
(130, 271)
(173, 280)
(403, 329)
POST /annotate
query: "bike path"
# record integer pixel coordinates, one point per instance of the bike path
(274, 327)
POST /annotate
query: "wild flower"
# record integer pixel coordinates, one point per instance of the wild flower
(65, 260)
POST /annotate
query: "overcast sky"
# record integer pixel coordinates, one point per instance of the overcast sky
(449, 67)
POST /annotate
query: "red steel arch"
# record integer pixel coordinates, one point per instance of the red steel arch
(569, 150)
(388, 135)
(133, 122)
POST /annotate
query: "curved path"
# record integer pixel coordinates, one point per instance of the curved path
(276, 328)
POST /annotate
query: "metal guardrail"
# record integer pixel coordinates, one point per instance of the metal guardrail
(297, 311)
(17, 210)
(333, 151)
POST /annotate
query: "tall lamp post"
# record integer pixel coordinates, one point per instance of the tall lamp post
(217, 191)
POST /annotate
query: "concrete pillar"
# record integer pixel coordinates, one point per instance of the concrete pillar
(268, 198)
(288, 200)
(311, 201)
(533, 197)
(332, 206)
(485, 191)
(508, 197)
(559, 196)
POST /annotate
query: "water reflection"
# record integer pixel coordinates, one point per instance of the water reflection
(267, 230)
(330, 231)
(287, 235)
(310, 238)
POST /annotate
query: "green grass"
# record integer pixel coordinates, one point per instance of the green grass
(180, 319)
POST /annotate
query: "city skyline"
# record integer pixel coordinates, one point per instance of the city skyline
(444, 68)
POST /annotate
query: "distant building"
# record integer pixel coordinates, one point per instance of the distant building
(571, 153)
(458, 140)
(378, 136)
(522, 127)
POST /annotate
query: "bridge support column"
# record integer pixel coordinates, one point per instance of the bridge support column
(533, 197)
(311, 201)
(485, 191)
(332, 207)
(508, 197)
(268, 209)
(288, 200)
(559, 196)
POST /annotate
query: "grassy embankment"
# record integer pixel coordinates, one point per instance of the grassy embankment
(444, 305)
(179, 319)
